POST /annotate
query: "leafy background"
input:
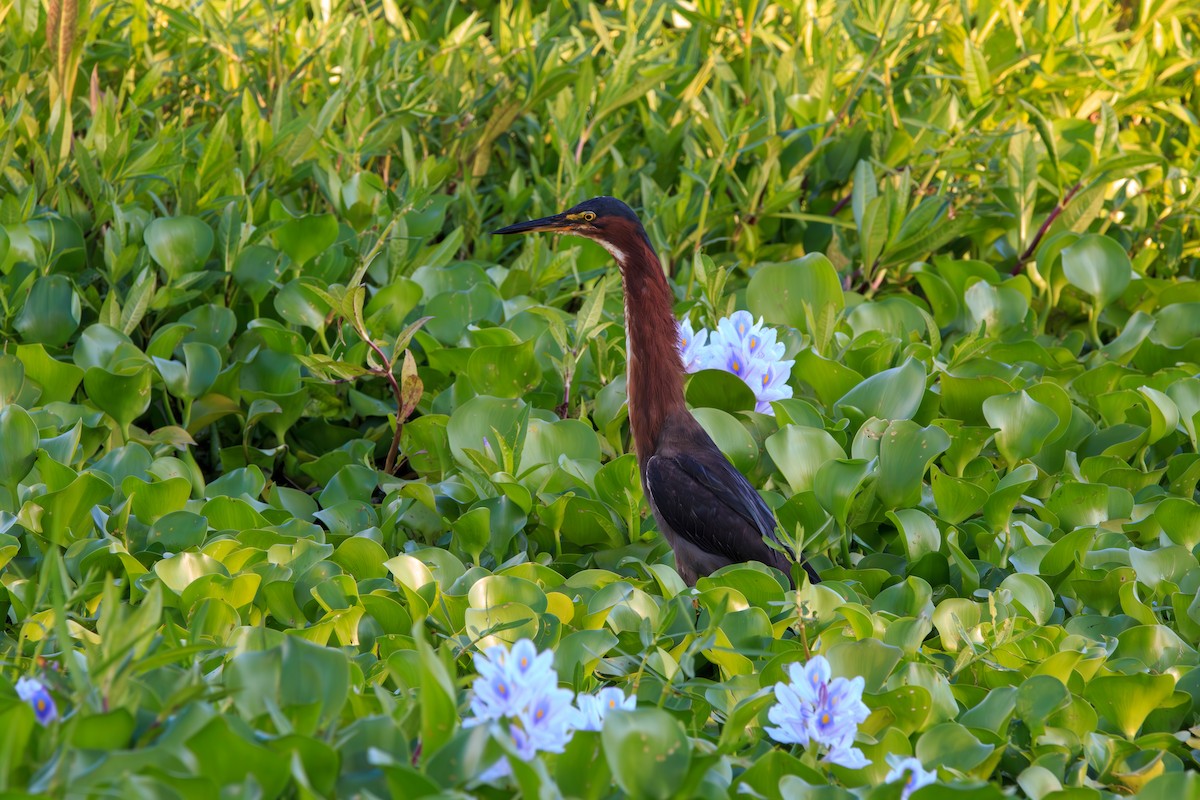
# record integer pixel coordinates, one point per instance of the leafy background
(285, 435)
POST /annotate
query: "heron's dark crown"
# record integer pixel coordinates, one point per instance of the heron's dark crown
(606, 207)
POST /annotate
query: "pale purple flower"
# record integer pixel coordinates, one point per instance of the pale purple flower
(815, 707)
(520, 686)
(547, 721)
(740, 332)
(911, 771)
(497, 692)
(744, 348)
(34, 692)
(697, 354)
(737, 329)
(529, 668)
(768, 379)
(593, 708)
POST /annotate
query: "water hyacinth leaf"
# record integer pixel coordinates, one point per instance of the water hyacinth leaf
(20, 436)
(1080, 504)
(716, 388)
(1031, 595)
(730, 436)
(62, 240)
(905, 452)
(918, 532)
(179, 244)
(896, 316)
(544, 443)
(51, 312)
(123, 396)
(256, 681)
(1180, 521)
(870, 659)
(892, 394)
(152, 501)
(957, 499)
(837, 482)
(58, 380)
(303, 238)
(997, 308)
(505, 371)
(789, 292)
(298, 303)
(647, 750)
(1126, 700)
(1099, 266)
(66, 515)
(1023, 423)
(800, 452)
(951, 745)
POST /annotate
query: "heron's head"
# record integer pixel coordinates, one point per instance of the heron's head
(605, 220)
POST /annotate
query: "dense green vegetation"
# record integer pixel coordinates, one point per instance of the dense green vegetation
(286, 437)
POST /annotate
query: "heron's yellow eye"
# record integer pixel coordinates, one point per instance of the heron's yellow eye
(588, 216)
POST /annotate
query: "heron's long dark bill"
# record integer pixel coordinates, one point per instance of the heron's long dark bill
(556, 222)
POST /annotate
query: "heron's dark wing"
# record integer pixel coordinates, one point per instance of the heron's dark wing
(705, 500)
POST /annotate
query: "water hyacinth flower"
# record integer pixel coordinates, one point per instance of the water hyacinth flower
(34, 692)
(694, 348)
(744, 348)
(594, 708)
(818, 708)
(911, 771)
(520, 686)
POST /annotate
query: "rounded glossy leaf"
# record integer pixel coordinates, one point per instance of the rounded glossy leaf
(956, 498)
(892, 394)
(918, 532)
(1099, 266)
(1031, 595)
(1024, 424)
(904, 455)
(951, 745)
(730, 436)
(304, 238)
(996, 307)
(123, 396)
(787, 293)
(648, 752)
(1126, 700)
(51, 313)
(18, 444)
(869, 658)
(179, 244)
(505, 371)
(63, 241)
(297, 303)
(800, 452)
(716, 388)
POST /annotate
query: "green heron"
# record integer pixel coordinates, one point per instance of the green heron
(707, 510)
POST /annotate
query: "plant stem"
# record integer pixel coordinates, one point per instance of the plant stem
(1041, 232)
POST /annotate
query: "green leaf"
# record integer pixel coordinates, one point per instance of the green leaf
(124, 396)
(179, 245)
(1126, 700)
(306, 237)
(19, 435)
(505, 371)
(787, 293)
(892, 394)
(1023, 423)
(647, 751)
(51, 313)
(905, 453)
(1099, 266)
(800, 453)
